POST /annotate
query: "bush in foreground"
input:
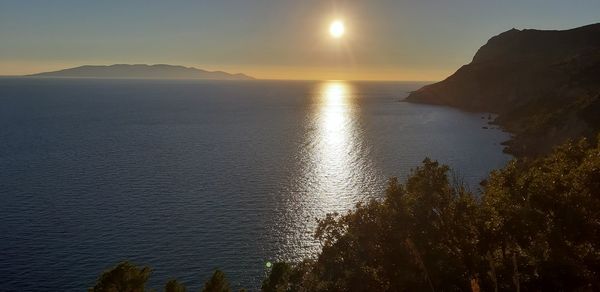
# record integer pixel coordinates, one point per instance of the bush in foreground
(126, 277)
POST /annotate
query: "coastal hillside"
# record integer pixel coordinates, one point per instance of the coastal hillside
(160, 71)
(545, 86)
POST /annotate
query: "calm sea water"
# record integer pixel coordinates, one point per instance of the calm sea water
(188, 176)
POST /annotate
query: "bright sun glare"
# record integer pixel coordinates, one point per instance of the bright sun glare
(337, 29)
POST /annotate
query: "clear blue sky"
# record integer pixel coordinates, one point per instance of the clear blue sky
(386, 39)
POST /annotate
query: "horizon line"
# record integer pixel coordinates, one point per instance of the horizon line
(302, 75)
(30, 76)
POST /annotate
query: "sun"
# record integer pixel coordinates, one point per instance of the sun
(337, 29)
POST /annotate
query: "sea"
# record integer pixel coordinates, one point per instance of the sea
(187, 176)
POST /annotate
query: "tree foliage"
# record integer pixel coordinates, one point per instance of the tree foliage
(278, 279)
(543, 219)
(125, 277)
(217, 283)
(174, 286)
(418, 237)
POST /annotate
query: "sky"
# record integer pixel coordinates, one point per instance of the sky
(272, 39)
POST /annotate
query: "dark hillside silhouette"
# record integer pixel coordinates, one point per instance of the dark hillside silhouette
(160, 71)
(544, 84)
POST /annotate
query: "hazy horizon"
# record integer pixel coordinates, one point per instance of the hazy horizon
(386, 40)
(35, 75)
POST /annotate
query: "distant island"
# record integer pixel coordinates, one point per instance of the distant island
(545, 86)
(159, 71)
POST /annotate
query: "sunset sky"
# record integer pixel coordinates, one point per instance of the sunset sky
(273, 39)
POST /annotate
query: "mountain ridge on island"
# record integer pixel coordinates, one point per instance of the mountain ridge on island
(142, 71)
(543, 84)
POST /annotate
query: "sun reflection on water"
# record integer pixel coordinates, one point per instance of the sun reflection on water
(334, 125)
(334, 153)
(335, 168)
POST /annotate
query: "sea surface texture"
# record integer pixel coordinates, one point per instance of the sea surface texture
(189, 176)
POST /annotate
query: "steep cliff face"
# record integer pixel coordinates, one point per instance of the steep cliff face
(544, 84)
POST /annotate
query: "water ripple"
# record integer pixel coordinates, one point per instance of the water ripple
(187, 176)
